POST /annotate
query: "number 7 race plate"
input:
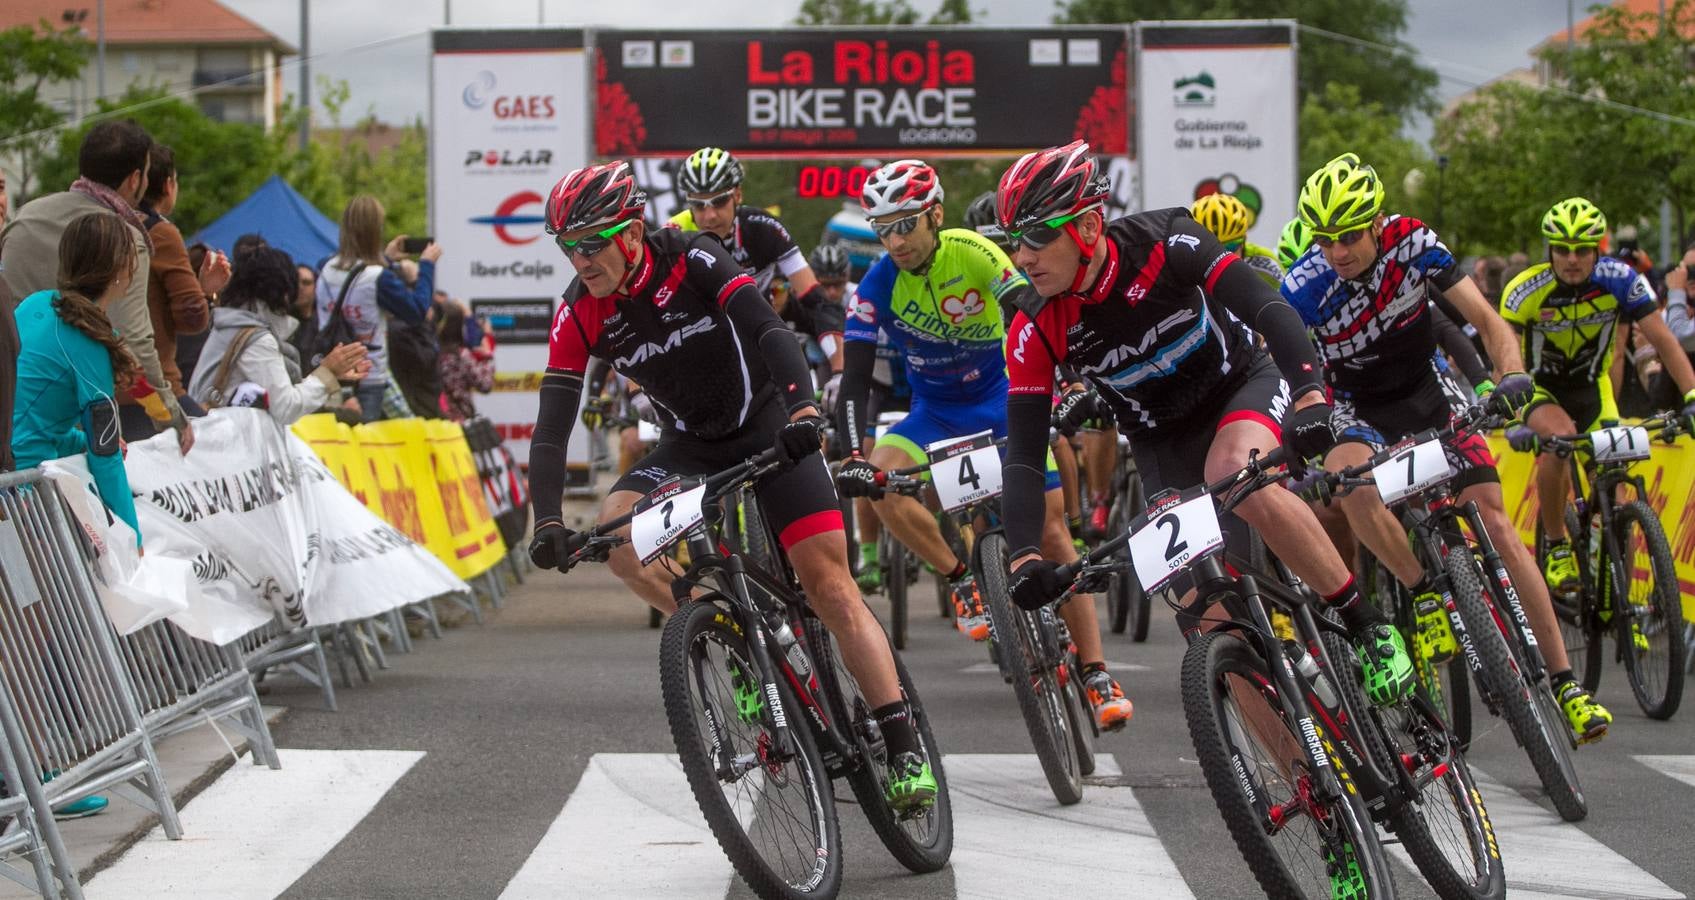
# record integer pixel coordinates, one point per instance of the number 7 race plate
(665, 515)
(1168, 537)
(1411, 470)
(966, 470)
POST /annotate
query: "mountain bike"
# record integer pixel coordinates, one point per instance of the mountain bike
(1299, 764)
(762, 709)
(1033, 650)
(1497, 644)
(1127, 604)
(1628, 582)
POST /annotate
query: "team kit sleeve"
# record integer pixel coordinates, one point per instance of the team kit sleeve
(1029, 402)
(859, 351)
(1195, 257)
(561, 391)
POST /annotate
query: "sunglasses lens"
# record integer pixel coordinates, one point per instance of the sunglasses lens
(899, 226)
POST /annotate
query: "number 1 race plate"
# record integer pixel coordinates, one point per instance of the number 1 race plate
(1620, 444)
(665, 515)
(1410, 470)
(1169, 536)
(965, 470)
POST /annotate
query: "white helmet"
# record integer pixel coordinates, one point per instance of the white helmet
(905, 185)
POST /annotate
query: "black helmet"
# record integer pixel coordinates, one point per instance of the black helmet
(829, 261)
(981, 212)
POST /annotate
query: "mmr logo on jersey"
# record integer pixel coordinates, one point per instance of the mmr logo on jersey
(672, 341)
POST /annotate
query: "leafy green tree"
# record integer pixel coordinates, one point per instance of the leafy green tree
(1509, 158)
(881, 12)
(30, 61)
(1338, 121)
(1391, 79)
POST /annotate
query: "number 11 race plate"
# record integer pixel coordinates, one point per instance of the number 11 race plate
(966, 470)
(1620, 444)
(669, 511)
(1168, 537)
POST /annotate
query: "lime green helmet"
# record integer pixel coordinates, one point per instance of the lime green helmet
(709, 170)
(1576, 222)
(1343, 195)
(1292, 244)
(1225, 216)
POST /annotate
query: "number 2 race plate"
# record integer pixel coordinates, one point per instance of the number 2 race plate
(966, 470)
(1168, 537)
(669, 511)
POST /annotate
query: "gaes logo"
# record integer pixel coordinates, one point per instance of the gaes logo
(960, 308)
(1196, 90)
(506, 214)
(476, 94)
(481, 91)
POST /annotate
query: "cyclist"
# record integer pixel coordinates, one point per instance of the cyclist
(673, 312)
(1157, 314)
(1363, 290)
(1566, 311)
(1292, 244)
(711, 182)
(1229, 220)
(938, 294)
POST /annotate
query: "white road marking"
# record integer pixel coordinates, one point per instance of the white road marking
(1681, 768)
(255, 831)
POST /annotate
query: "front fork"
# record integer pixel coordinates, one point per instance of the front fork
(1505, 596)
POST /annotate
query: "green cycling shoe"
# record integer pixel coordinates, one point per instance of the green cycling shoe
(1386, 669)
(912, 786)
(1347, 882)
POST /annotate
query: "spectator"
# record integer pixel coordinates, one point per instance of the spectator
(248, 345)
(112, 163)
(306, 310)
(375, 289)
(8, 374)
(188, 345)
(73, 365)
(463, 369)
(4, 206)
(177, 295)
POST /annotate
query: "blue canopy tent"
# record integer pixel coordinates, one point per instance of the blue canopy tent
(283, 217)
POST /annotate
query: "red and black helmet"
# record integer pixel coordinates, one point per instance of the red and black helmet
(595, 197)
(1047, 184)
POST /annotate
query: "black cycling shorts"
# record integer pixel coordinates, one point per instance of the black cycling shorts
(1430, 403)
(797, 504)
(1174, 455)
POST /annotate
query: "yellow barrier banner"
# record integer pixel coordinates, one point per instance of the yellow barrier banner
(1670, 478)
(461, 490)
(337, 446)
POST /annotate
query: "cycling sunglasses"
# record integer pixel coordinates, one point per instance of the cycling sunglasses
(1038, 236)
(898, 226)
(594, 243)
(1346, 238)
(715, 201)
(1563, 249)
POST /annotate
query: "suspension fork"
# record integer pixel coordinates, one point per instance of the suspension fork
(1436, 535)
(1504, 595)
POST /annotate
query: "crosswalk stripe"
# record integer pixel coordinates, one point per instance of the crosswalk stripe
(1007, 827)
(1550, 859)
(1681, 768)
(255, 831)
(630, 829)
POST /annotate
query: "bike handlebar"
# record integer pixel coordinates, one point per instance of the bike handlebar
(1669, 426)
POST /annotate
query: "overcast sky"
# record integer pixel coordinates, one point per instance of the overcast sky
(1466, 41)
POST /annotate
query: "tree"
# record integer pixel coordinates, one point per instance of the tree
(1337, 122)
(881, 12)
(1393, 80)
(30, 62)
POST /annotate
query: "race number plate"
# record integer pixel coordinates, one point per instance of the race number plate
(1623, 444)
(965, 470)
(1410, 470)
(1166, 539)
(669, 511)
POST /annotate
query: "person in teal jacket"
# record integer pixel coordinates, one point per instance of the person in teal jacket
(72, 362)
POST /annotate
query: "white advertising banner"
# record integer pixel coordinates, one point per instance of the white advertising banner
(1216, 113)
(509, 117)
(249, 526)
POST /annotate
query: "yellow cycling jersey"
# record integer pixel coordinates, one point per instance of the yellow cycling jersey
(1567, 330)
(1262, 261)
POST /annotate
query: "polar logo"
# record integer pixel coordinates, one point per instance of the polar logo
(476, 93)
(864, 311)
(960, 308)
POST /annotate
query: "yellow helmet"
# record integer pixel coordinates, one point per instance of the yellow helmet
(1343, 195)
(1222, 214)
(1574, 221)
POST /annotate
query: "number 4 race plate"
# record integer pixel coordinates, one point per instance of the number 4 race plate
(965, 470)
(1411, 470)
(665, 515)
(1169, 536)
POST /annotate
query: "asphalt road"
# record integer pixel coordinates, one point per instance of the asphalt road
(509, 715)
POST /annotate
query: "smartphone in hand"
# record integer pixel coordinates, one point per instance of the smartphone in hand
(415, 245)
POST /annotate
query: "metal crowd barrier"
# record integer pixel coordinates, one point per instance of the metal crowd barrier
(80, 727)
(276, 646)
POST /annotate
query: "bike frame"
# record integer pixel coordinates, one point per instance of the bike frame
(1603, 480)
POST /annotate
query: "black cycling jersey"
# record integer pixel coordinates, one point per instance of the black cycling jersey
(763, 247)
(692, 330)
(1165, 334)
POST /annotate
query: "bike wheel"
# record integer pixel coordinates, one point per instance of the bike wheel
(922, 842)
(773, 813)
(956, 542)
(1121, 593)
(1585, 639)
(1035, 681)
(1650, 627)
(1077, 711)
(1445, 828)
(894, 586)
(1530, 709)
(1254, 761)
(1444, 684)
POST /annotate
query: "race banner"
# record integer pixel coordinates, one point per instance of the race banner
(264, 528)
(508, 118)
(857, 92)
(1216, 113)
